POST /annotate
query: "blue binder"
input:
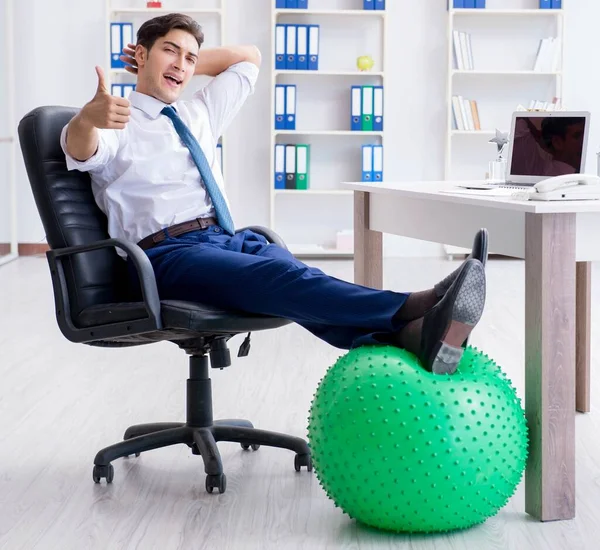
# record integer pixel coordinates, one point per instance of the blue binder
(302, 47)
(280, 97)
(356, 108)
(367, 163)
(545, 4)
(470, 4)
(368, 4)
(291, 59)
(379, 4)
(116, 45)
(480, 4)
(302, 4)
(280, 36)
(458, 4)
(556, 4)
(291, 4)
(280, 4)
(290, 107)
(313, 47)
(279, 167)
(377, 163)
(378, 108)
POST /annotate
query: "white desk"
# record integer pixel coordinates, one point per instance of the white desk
(551, 237)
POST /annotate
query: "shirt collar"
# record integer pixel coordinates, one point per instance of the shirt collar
(148, 104)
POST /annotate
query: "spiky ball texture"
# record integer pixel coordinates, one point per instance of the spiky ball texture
(402, 449)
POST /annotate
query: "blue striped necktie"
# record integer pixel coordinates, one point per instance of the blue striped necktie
(221, 210)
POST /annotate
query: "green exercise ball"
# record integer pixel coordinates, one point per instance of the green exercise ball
(402, 449)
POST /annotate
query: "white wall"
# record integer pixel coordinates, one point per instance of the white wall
(59, 42)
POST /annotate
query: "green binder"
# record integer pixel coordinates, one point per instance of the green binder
(302, 166)
(367, 108)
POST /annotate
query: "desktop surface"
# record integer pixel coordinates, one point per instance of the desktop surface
(439, 191)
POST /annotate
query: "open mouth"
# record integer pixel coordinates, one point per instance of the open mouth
(173, 81)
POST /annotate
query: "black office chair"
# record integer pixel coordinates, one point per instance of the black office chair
(93, 306)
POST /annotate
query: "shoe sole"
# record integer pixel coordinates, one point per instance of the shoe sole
(466, 313)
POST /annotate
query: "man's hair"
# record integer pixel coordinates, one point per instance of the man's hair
(160, 26)
(557, 126)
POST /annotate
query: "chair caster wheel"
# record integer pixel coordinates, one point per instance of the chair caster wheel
(103, 471)
(255, 446)
(216, 481)
(303, 460)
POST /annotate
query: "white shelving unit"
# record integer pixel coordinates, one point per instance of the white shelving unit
(8, 141)
(516, 31)
(331, 74)
(209, 13)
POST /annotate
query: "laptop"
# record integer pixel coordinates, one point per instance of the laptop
(543, 145)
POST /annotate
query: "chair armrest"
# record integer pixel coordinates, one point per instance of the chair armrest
(147, 282)
(269, 234)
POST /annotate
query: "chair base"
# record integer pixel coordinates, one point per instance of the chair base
(201, 435)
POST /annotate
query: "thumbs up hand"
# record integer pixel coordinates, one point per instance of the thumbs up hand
(105, 110)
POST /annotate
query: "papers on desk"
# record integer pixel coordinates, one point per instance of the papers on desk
(508, 192)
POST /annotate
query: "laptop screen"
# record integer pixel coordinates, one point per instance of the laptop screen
(547, 146)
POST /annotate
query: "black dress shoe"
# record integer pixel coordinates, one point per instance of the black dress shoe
(448, 324)
(479, 252)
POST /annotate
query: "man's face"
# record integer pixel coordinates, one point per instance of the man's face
(569, 148)
(167, 69)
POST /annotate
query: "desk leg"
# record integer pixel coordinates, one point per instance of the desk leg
(583, 338)
(550, 365)
(368, 246)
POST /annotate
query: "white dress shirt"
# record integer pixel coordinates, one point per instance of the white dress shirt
(143, 177)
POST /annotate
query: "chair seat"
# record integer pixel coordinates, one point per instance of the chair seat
(180, 315)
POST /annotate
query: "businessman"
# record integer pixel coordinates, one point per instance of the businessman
(154, 172)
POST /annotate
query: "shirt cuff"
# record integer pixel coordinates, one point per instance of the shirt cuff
(99, 158)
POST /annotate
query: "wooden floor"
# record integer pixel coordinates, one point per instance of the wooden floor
(61, 402)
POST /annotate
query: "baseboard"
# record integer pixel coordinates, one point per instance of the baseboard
(25, 249)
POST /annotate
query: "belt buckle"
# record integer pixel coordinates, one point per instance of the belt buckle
(202, 222)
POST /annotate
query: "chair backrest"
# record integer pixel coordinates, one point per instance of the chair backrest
(69, 212)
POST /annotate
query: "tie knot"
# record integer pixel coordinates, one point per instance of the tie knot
(169, 111)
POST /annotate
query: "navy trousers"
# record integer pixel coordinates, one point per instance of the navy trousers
(245, 272)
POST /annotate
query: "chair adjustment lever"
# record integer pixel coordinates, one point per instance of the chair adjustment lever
(245, 347)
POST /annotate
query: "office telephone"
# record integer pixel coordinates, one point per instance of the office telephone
(567, 188)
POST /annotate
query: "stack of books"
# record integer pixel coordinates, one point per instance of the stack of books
(463, 51)
(466, 113)
(548, 55)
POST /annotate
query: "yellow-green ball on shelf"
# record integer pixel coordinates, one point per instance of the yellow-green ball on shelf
(365, 63)
(402, 449)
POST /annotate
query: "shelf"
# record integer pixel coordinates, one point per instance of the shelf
(330, 73)
(325, 133)
(473, 133)
(507, 73)
(466, 11)
(166, 10)
(364, 13)
(313, 192)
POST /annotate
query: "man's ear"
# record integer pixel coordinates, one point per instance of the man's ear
(141, 55)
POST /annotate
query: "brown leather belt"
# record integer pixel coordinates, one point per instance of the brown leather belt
(175, 231)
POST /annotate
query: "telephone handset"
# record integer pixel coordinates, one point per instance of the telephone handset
(567, 187)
